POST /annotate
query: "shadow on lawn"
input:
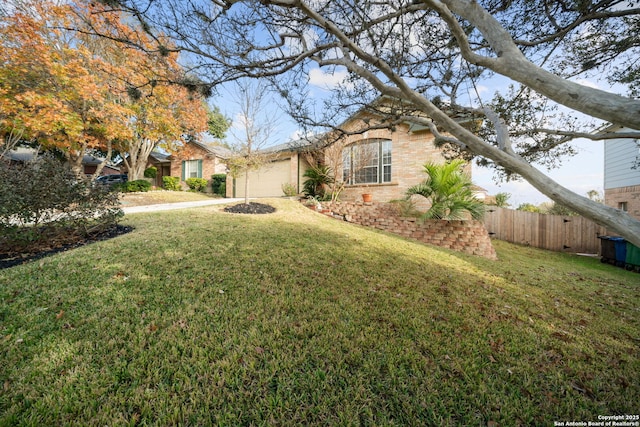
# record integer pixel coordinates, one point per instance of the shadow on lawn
(10, 259)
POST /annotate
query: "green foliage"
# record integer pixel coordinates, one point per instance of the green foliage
(196, 184)
(151, 172)
(318, 178)
(218, 184)
(289, 189)
(558, 209)
(217, 123)
(42, 200)
(139, 185)
(236, 165)
(502, 200)
(449, 190)
(528, 207)
(171, 183)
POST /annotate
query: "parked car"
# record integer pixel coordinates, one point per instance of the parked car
(111, 179)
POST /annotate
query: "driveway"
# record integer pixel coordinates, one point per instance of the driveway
(179, 205)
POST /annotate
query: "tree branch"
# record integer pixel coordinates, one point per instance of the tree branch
(512, 63)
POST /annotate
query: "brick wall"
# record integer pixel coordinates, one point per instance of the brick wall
(210, 163)
(410, 150)
(470, 237)
(630, 195)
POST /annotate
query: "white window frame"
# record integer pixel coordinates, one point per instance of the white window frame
(191, 169)
(380, 167)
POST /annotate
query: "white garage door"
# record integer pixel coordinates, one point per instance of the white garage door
(267, 181)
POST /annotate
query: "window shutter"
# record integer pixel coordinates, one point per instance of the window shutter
(183, 169)
(200, 168)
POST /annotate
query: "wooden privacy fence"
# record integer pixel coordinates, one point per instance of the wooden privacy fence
(554, 232)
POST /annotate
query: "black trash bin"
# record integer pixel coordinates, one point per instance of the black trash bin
(607, 249)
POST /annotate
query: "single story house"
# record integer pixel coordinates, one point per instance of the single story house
(622, 173)
(193, 160)
(384, 162)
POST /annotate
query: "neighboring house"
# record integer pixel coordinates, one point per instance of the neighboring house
(622, 173)
(382, 162)
(482, 194)
(156, 159)
(197, 160)
(193, 160)
(89, 163)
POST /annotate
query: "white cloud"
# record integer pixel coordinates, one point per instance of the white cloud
(328, 81)
(482, 89)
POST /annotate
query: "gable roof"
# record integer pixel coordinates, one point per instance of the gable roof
(209, 149)
(217, 150)
(315, 141)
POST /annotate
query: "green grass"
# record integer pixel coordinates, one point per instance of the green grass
(162, 196)
(204, 318)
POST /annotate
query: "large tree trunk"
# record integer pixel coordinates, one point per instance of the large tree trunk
(75, 157)
(138, 157)
(102, 164)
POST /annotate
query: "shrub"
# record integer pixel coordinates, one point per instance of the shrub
(318, 178)
(139, 185)
(528, 207)
(289, 189)
(171, 183)
(42, 201)
(219, 183)
(197, 184)
(151, 172)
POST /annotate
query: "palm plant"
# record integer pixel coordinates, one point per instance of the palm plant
(502, 200)
(318, 177)
(449, 190)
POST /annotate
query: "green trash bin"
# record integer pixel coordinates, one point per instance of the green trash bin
(633, 257)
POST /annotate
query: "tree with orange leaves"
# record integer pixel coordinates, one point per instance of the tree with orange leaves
(52, 87)
(69, 90)
(162, 110)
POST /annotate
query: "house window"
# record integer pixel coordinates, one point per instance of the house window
(367, 163)
(622, 206)
(191, 169)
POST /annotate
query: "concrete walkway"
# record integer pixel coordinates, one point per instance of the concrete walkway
(179, 205)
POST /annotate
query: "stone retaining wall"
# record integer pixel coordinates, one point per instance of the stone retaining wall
(470, 237)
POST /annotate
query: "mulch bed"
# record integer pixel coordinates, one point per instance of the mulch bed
(250, 208)
(12, 258)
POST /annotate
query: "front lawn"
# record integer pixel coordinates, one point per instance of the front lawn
(201, 317)
(162, 196)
